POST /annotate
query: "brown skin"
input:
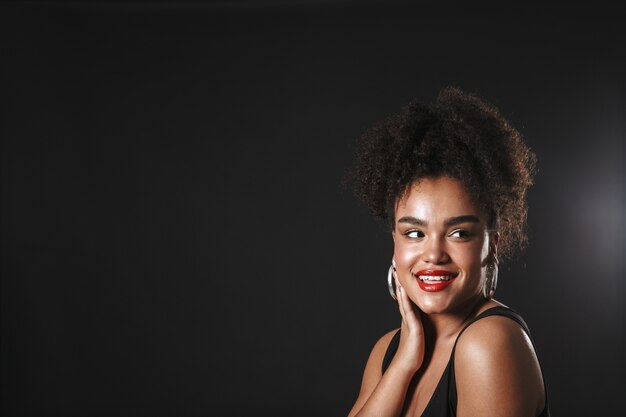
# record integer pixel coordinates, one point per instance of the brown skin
(497, 372)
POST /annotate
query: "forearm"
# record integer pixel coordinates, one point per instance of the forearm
(387, 399)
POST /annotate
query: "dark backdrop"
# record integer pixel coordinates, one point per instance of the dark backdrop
(175, 240)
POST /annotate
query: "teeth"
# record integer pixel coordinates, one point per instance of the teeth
(435, 277)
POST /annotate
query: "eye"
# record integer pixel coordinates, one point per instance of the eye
(460, 234)
(414, 234)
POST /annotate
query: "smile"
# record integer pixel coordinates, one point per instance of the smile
(433, 281)
(435, 278)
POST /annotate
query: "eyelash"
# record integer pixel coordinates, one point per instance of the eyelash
(408, 234)
(463, 234)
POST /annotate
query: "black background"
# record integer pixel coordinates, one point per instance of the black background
(175, 239)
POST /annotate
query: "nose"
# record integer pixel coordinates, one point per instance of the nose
(435, 251)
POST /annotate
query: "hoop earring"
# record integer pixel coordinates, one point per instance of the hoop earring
(491, 280)
(390, 281)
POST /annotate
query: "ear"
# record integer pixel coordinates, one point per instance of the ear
(393, 257)
(493, 245)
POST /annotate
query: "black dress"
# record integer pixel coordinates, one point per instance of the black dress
(444, 399)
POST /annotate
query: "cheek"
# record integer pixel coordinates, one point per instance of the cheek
(406, 256)
(469, 257)
(484, 253)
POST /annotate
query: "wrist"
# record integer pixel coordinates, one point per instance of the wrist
(400, 369)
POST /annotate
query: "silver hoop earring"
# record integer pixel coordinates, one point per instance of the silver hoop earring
(390, 282)
(491, 280)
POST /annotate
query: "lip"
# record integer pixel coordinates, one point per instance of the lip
(435, 286)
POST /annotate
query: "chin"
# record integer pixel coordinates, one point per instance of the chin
(433, 307)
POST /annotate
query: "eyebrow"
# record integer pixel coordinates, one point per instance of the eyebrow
(468, 218)
(413, 220)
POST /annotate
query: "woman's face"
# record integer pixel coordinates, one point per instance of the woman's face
(441, 245)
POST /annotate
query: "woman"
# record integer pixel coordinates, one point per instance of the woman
(451, 177)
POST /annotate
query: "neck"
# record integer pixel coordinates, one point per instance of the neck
(446, 326)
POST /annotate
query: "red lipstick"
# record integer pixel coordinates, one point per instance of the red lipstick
(435, 280)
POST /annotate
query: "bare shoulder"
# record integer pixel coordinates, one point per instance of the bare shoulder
(497, 371)
(494, 332)
(373, 370)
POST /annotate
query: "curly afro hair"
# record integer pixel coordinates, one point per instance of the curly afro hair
(457, 136)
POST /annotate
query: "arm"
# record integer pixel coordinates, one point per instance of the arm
(384, 395)
(497, 371)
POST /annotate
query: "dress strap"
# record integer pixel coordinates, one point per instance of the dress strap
(445, 394)
(494, 311)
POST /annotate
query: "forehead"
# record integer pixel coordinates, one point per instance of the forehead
(437, 198)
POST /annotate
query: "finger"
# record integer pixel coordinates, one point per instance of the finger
(402, 296)
(409, 313)
(399, 297)
(400, 305)
(407, 306)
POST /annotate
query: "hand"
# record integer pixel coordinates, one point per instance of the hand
(410, 354)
